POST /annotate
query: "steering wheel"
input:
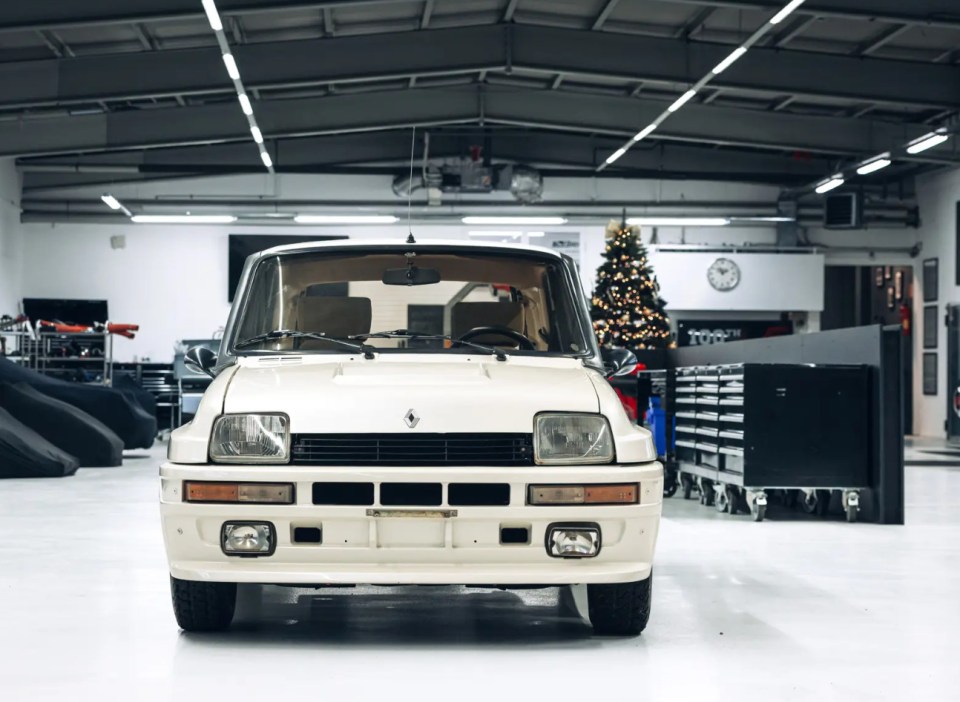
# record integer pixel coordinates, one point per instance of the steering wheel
(522, 341)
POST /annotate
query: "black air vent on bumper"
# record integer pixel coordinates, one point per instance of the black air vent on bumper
(413, 449)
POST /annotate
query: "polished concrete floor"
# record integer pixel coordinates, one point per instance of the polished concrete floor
(790, 609)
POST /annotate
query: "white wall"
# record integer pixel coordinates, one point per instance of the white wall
(10, 240)
(173, 280)
(938, 196)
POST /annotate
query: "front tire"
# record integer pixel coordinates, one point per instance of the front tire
(201, 606)
(620, 609)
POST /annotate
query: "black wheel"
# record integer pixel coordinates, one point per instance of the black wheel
(733, 499)
(852, 513)
(721, 502)
(201, 606)
(620, 609)
(707, 493)
(809, 503)
(823, 502)
(670, 485)
(686, 482)
(759, 512)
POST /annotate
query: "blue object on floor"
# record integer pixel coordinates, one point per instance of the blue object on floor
(657, 424)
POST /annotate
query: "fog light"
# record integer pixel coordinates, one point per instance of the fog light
(248, 538)
(573, 540)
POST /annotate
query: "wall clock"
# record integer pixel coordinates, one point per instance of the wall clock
(723, 274)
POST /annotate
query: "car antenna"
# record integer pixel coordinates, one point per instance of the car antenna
(413, 146)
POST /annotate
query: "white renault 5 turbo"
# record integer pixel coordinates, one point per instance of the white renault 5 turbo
(411, 414)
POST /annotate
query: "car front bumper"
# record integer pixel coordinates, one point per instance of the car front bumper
(358, 548)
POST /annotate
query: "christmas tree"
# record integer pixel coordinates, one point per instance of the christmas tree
(627, 308)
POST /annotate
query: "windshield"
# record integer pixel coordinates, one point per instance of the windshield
(400, 302)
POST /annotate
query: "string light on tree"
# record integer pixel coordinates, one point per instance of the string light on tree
(627, 308)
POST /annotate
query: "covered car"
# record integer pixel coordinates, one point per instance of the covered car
(63, 425)
(112, 407)
(26, 454)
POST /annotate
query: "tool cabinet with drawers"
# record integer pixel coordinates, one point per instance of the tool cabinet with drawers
(748, 428)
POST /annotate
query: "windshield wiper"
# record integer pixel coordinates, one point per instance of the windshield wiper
(405, 334)
(293, 334)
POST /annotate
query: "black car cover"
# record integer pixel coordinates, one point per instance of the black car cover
(126, 384)
(63, 425)
(26, 454)
(124, 416)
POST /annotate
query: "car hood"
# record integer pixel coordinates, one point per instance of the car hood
(354, 395)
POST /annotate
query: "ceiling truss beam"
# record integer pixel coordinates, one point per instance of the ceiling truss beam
(931, 13)
(390, 151)
(665, 61)
(363, 112)
(35, 16)
(604, 14)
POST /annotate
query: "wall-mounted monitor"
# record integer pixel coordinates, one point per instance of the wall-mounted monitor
(68, 311)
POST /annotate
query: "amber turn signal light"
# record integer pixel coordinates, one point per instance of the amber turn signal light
(611, 494)
(248, 493)
(584, 494)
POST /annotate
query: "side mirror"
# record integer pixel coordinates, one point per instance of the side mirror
(618, 361)
(200, 359)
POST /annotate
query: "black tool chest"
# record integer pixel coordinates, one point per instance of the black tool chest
(774, 425)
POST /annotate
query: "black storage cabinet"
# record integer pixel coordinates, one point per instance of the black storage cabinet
(776, 425)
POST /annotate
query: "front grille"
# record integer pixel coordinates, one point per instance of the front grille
(413, 449)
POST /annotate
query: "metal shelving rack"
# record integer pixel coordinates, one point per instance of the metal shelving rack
(38, 354)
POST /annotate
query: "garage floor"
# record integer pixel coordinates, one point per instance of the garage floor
(821, 610)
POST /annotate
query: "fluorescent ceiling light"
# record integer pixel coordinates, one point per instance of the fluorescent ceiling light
(874, 165)
(615, 155)
(514, 220)
(231, 65)
(679, 221)
(682, 100)
(184, 219)
(785, 12)
(536, 235)
(345, 219)
(111, 202)
(267, 161)
(727, 62)
(644, 133)
(831, 184)
(927, 142)
(511, 234)
(213, 17)
(762, 219)
(245, 104)
(257, 134)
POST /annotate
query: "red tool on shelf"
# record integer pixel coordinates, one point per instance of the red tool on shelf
(125, 330)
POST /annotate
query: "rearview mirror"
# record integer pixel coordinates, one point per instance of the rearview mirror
(200, 359)
(411, 275)
(618, 361)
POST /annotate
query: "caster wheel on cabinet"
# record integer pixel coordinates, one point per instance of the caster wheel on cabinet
(707, 493)
(669, 490)
(823, 502)
(721, 502)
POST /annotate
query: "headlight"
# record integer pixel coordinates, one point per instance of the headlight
(572, 439)
(251, 438)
